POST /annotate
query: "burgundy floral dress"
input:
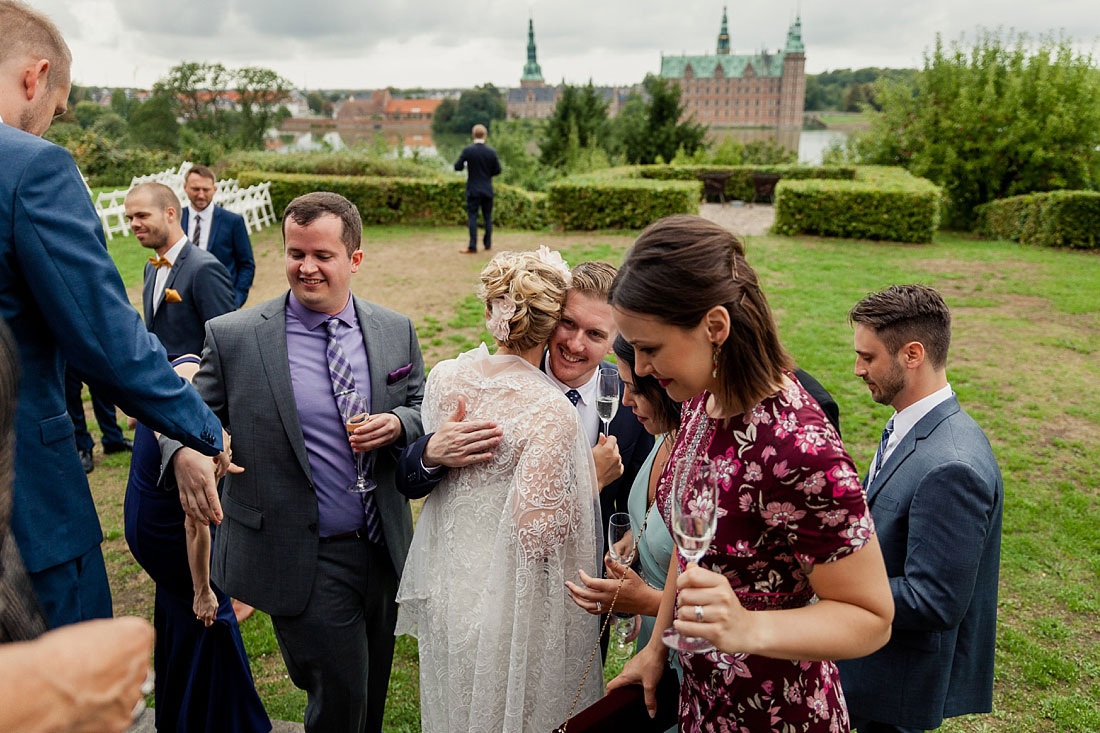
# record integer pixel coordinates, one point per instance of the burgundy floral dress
(790, 495)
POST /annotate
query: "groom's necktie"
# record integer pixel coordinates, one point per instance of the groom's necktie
(196, 235)
(880, 454)
(574, 396)
(343, 387)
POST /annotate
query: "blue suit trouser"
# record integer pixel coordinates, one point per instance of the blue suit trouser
(475, 202)
(74, 591)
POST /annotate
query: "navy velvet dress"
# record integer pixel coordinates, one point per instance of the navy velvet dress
(203, 681)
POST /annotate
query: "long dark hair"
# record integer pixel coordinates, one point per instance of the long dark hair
(682, 266)
(666, 411)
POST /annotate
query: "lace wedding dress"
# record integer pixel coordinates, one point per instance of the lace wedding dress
(502, 647)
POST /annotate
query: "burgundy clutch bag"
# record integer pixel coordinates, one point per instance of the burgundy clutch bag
(624, 709)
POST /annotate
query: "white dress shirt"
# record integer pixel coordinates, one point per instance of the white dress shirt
(905, 420)
(162, 272)
(207, 216)
(590, 419)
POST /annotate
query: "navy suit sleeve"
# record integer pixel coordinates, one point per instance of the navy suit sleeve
(63, 259)
(494, 167)
(213, 291)
(461, 162)
(409, 413)
(950, 516)
(246, 264)
(412, 480)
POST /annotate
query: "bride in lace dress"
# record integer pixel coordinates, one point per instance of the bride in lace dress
(502, 647)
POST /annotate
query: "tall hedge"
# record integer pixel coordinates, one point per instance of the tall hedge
(344, 163)
(607, 200)
(880, 203)
(1052, 219)
(434, 201)
(739, 185)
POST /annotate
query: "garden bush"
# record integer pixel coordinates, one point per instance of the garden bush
(106, 163)
(344, 163)
(880, 203)
(614, 199)
(1052, 219)
(739, 186)
(432, 201)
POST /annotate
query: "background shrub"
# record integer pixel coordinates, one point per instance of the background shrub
(615, 199)
(1054, 219)
(739, 186)
(344, 163)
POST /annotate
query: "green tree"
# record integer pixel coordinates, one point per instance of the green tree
(153, 123)
(1000, 118)
(261, 93)
(316, 102)
(579, 122)
(480, 105)
(111, 126)
(653, 128)
(121, 103)
(88, 112)
(199, 92)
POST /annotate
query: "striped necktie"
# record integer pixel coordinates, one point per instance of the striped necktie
(886, 433)
(196, 234)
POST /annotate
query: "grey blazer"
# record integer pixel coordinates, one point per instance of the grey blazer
(205, 292)
(937, 506)
(265, 551)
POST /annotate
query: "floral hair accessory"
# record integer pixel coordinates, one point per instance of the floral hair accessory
(501, 311)
(554, 259)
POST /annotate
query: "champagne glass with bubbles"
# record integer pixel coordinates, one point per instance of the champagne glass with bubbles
(620, 527)
(694, 519)
(607, 396)
(358, 414)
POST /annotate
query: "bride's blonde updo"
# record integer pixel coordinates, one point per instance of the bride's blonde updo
(524, 293)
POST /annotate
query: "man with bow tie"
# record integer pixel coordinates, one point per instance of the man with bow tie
(184, 286)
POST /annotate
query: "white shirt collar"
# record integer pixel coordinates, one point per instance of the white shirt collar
(174, 251)
(587, 390)
(907, 419)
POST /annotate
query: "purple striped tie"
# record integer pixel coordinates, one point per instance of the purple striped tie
(343, 388)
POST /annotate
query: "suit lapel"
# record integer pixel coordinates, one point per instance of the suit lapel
(372, 341)
(177, 267)
(184, 218)
(215, 224)
(271, 335)
(908, 444)
(147, 294)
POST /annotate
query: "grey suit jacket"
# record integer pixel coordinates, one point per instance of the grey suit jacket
(265, 551)
(937, 504)
(205, 292)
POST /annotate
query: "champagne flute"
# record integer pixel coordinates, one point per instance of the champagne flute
(607, 396)
(357, 417)
(620, 526)
(694, 519)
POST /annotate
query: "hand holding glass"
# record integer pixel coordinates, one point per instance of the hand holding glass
(359, 414)
(607, 396)
(694, 518)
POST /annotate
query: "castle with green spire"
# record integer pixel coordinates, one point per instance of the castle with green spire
(766, 89)
(532, 72)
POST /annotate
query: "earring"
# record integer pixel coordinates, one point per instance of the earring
(714, 371)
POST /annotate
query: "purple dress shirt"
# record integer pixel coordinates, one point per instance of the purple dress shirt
(331, 461)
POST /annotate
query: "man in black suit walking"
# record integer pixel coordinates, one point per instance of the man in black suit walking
(481, 164)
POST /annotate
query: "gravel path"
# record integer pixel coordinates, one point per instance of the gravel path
(747, 220)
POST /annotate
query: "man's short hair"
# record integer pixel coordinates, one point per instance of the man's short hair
(162, 196)
(480, 131)
(27, 32)
(306, 209)
(901, 314)
(201, 170)
(593, 279)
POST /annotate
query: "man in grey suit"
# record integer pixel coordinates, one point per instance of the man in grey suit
(184, 286)
(323, 561)
(936, 496)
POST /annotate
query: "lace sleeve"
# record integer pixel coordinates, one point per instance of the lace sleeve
(548, 484)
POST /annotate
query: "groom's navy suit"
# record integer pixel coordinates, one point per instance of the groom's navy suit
(64, 301)
(937, 504)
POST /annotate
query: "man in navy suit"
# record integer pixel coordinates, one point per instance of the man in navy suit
(218, 231)
(481, 164)
(64, 301)
(936, 496)
(184, 286)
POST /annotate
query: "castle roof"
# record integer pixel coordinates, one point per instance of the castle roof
(706, 67)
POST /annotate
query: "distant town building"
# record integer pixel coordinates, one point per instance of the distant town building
(534, 99)
(757, 90)
(399, 121)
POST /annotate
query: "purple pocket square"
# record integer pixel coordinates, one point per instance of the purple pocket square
(398, 374)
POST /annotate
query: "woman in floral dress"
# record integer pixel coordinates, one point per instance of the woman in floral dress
(793, 577)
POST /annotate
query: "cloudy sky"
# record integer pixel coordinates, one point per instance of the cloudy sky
(447, 43)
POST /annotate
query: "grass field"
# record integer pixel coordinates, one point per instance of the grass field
(1025, 362)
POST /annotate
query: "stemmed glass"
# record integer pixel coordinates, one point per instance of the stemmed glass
(694, 519)
(607, 396)
(359, 413)
(619, 527)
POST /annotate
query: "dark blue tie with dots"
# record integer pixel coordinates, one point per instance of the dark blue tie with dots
(574, 396)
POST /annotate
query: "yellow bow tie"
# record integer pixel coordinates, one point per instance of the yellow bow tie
(159, 262)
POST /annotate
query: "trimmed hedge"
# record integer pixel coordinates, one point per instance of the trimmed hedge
(880, 203)
(1050, 219)
(434, 201)
(739, 185)
(344, 163)
(612, 199)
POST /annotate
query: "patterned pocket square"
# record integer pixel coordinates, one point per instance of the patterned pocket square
(398, 374)
(171, 296)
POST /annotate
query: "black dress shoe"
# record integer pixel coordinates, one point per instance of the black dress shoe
(86, 460)
(124, 446)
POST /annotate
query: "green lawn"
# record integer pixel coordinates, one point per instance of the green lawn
(1025, 362)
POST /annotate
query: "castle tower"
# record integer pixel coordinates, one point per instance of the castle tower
(532, 72)
(724, 36)
(792, 97)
